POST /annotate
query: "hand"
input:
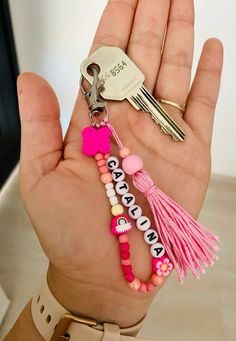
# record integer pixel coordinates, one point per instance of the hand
(60, 187)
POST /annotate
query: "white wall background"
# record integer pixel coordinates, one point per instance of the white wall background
(53, 37)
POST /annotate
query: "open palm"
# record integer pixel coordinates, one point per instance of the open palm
(60, 187)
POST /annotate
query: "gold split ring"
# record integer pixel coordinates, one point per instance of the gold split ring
(181, 107)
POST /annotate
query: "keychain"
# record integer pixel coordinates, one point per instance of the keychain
(177, 240)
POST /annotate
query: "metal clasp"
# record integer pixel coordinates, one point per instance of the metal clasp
(92, 97)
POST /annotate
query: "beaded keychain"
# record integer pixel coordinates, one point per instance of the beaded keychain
(177, 240)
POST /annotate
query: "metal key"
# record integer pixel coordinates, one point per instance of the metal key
(123, 80)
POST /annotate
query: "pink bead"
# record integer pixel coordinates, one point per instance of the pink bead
(150, 286)
(130, 277)
(157, 280)
(143, 287)
(124, 246)
(135, 284)
(106, 178)
(103, 169)
(106, 156)
(124, 152)
(127, 269)
(101, 162)
(132, 164)
(99, 156)
(125, 261)
(125, 255)
(123, 238)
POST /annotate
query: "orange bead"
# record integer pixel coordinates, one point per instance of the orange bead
(135, 284)
(143, 287)
(99, 156)
(103, 169)
(101, 163)
(106, 178)
(157, 280)
(124, 152)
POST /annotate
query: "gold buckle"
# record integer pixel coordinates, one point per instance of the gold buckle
(63, 324)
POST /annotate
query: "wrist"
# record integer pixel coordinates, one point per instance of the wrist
(88, 299)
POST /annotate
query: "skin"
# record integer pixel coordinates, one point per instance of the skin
(60, 187)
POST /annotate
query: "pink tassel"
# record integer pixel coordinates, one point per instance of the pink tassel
(188, 244)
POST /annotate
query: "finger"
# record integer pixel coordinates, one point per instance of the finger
(41, 134)
(114, 29)
(174, 76)
(147, 36)
(204, 92)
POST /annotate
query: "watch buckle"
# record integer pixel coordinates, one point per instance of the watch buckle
(63, 324)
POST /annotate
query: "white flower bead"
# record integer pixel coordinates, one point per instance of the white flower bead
(150, 236)
(112, 163)
(113, 200)
(143, 223)
(157, 250)
(128, 199)
(135, 212)
(118, 175)
(111, 193)
(109, 185)
(122, 187)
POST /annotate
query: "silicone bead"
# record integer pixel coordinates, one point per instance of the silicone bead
(123, 238)
(122, 187)
(99, 156)
(157, 280)
(128, 199)
(103, 169)
(124, 246)
(135, 212)
(157, 250)
(125, 261)
(150, 236)
(132, 164)
(109, 186)
(124, 152)
(106, 178)
(112, 162)
(130, 277)
(118, 175)
(117, 209)
(110, 193)
(135, 284)
(101, 163)
(113, 201)
(125, 255)
(143, 223)
(143, 287)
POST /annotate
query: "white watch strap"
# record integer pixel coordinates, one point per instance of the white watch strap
(55, 323)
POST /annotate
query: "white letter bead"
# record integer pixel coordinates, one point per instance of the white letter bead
(128, 199)
(111, 193)
(109, 185)
(157, 250)
(122, 187)
(143, 223)
(118, 175)
(113, 201)
(135, 212)
(150, 236)
(112, 163)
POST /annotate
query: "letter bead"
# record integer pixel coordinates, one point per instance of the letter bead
(118, 175)
(150, 236)
(110, 193)
(143, 223)
(157, 250)
(112, 162)
(122, 187)
(128, 199)
(135, 212)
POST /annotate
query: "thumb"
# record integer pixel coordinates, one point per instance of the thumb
(41, 133)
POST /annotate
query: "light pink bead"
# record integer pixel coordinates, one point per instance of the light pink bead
(132, 164)
(143, 287)
(106, 156)
(124, 152)
(125, 261)
(157, 280)
(101, 162)
(123, 238)
(103, 169)
(106, 178)
(135, 284)
(99, 156)
(150, 286)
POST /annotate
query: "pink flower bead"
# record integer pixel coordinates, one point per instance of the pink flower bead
(125, 255)
(127, 269)
(106, 178)
(157, 280)
(125, 261)
(124, 152)
(132, 164)
(130, 277)
(123, 238)
(150, 286)
(103, 169)
(124, 246)
(143, 287)
(99, 156)
(135, 284)
(101, 163)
